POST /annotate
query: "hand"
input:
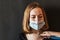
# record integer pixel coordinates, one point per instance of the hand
(45, 34)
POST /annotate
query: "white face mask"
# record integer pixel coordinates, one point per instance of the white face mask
(35, 25)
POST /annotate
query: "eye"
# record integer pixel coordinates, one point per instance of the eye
(33, 17)
(40, 16)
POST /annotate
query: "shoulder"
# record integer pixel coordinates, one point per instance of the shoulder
(22, 36)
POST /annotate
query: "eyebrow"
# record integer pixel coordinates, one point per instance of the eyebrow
(40, 14)
(34, 15)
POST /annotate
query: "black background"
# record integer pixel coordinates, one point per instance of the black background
(11, 14)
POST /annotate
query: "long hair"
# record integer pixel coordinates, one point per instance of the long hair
(31, 6)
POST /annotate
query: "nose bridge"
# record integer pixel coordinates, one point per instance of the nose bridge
(36, 19)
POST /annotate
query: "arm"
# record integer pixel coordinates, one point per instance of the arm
(50, 33)
(57, 34)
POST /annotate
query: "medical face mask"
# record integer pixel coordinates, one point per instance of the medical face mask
(35, 25)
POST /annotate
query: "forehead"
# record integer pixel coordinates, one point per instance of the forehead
(36, 11)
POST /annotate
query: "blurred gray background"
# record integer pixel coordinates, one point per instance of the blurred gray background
(11, 14)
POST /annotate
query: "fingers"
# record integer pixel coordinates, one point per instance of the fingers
(45, 34)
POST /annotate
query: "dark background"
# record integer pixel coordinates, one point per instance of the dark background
(11, 14)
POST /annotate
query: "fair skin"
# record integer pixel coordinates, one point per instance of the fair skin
(50, 33)
(36, 15)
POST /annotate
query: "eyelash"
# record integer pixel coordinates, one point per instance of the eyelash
(38, 16)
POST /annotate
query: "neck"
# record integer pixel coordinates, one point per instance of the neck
(37, 31)
(35, 35)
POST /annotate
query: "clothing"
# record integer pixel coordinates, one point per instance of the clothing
(55, 38)
(22, 36)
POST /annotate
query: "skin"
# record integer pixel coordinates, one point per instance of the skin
(50, 33)
(36, 15)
